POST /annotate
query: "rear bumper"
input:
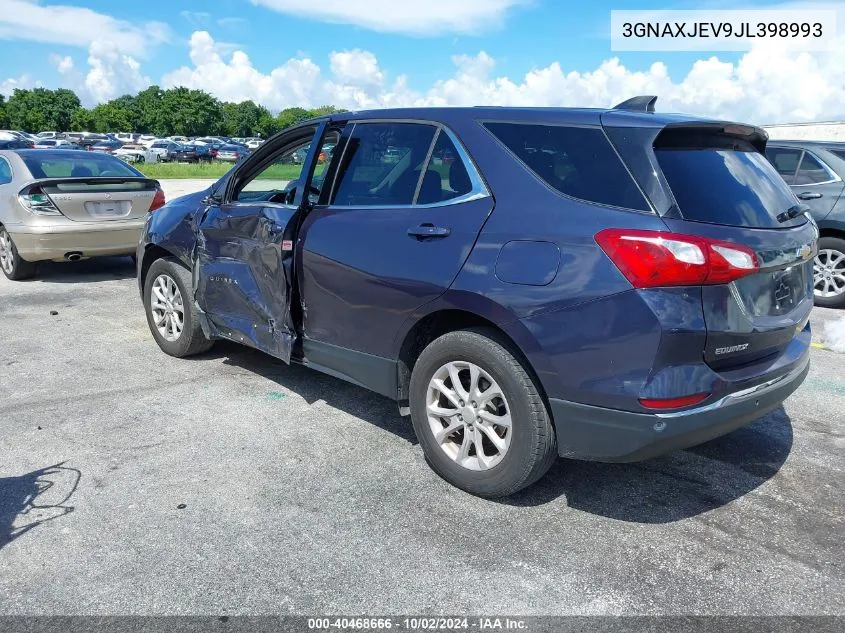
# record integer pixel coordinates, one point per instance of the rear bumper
(42, 243)
(610, 435)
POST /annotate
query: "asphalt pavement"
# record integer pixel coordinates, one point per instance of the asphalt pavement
(136, 483)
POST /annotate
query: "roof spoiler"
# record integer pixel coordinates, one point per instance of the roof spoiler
(642, 103)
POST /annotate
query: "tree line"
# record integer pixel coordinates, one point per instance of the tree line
(175, 111)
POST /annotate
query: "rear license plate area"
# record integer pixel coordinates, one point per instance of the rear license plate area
(108, 209)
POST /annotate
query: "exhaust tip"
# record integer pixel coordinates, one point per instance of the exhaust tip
(73, 257)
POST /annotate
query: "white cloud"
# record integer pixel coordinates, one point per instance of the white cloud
(112, 73)
(76, 26)
(766, 85)
(197, 19)
(64, 65)
(433, 17)
(24, 82)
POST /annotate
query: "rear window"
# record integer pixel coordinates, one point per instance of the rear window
(577, 161)
(736, 187)
(839, 153)
(85, 165)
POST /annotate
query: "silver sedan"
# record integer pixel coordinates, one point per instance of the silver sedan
(67, 205)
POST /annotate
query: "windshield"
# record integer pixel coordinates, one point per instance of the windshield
(47, 164)
(727, 186)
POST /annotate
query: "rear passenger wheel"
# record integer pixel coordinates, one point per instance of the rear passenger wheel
(829, 273)
(478, 415)
(11, 263)
(170, 312)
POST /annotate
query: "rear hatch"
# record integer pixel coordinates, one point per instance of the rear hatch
(87, 187)
(719, 186)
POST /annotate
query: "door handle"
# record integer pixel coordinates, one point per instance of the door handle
(809, 196)
(428, 230)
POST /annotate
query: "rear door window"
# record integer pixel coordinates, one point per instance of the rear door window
(812, 171)
(577, 161)
(735, 186)
(785, 161)
(382, 164)
(446, 176)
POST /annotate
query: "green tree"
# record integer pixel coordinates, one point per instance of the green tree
(82, 121)
(41, 109)
(267, 126)
(292, 116)
(242, 119)
(190, 113)
(113, 116)
(323, 110)
(150, 116)
(4, 120)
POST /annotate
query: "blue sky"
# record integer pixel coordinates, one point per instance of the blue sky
(292, 52)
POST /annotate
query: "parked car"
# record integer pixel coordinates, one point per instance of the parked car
(232, 153)
(67, 205)
(128, 137)
(43, 135)
(106, 147)
(816, 173)
(54, 143)
(254, 143)
(11, 141)
(192, 154)
(545, 295)
(132, 153)
(179, 140)
(164, 149)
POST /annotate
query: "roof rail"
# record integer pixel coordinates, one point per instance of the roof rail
(642, 103)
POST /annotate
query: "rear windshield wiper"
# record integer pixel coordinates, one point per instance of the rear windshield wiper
(792, 212)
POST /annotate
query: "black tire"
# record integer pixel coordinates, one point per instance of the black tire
(191, 340)
(837, 245)
(20, 269)
(532, 447)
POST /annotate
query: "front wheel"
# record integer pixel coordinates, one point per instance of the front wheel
(11, 263)
(478, 414)
(171, 314)
(829, 273)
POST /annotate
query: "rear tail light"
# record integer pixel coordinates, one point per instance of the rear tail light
(158, 200)
(673, 403)
(34, 200)
(651, 259)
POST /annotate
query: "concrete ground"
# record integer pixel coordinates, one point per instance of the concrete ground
(174, 188)
(136, 483)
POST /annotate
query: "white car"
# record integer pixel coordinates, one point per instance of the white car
(41, 135)
(53, 143)
(127, 137)
(164, 149)
(179, 140)
(147, 140)
(136, 154)
(254, 143)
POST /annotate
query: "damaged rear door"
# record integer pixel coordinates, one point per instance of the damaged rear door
(244, 249)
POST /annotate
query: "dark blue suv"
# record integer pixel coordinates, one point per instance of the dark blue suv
(525, 283)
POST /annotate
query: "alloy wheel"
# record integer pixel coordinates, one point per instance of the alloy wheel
(829, 273)
(7, 256)
(167, 308)
(469, 415)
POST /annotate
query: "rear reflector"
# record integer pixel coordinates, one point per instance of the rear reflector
(653, 259)
(158, 200)
(673, 403)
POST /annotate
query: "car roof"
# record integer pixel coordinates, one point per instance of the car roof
(584, 115)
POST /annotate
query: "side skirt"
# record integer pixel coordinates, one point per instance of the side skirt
(365, 370)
